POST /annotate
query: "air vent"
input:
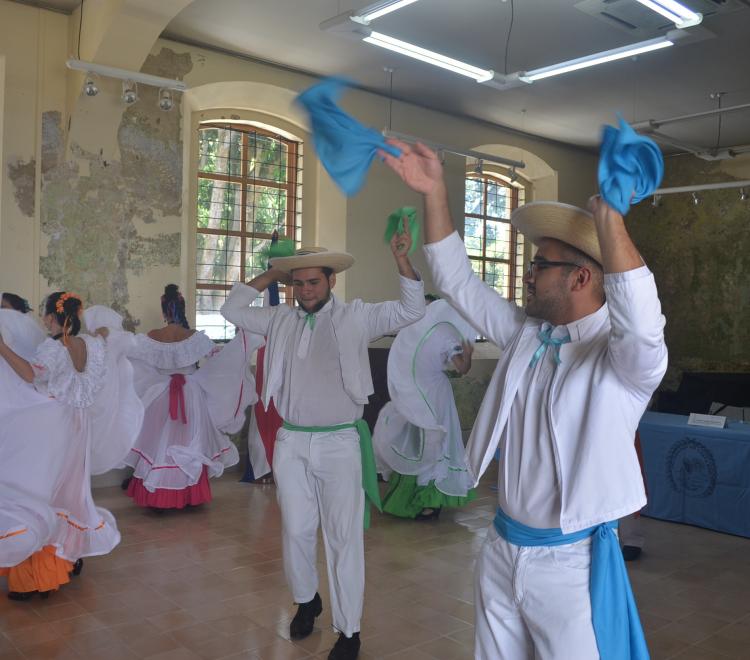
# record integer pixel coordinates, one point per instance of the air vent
(639, 21)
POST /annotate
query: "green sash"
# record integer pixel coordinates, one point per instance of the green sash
(369, 471)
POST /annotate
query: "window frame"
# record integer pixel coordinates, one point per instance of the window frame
(243, 180)
(515, 294)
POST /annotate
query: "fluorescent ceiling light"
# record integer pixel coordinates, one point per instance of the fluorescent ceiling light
(124, 74)
(424, 55)
(596, 58)
(379, 9)
(680, 15)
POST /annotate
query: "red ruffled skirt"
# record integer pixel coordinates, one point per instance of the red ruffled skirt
(164, 498)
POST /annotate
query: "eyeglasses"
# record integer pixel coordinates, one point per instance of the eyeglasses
(541, 264)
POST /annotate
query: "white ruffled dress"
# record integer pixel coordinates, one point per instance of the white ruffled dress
(189, 411)
(418, 432)
(53, 436)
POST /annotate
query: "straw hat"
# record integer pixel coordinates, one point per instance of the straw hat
(563, 222)
(313, 257)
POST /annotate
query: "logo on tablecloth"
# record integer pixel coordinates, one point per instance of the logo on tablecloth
(691, 468)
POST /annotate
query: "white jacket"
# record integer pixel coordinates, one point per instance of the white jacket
(598, 394)
(356, 324)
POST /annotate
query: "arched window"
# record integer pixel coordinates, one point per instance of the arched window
(249, 185)
(494, 247)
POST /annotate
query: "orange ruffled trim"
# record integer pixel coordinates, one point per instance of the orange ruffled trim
(43, 571)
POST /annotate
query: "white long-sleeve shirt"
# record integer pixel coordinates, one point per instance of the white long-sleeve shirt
(328, 381)
(573, 427)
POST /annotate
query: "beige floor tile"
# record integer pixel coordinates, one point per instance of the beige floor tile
(208, 583)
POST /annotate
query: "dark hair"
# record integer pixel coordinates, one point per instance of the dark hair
(173, 306)
(16, 302)
(327, 271)
(597, 272)
(66, 311)
(431, 297)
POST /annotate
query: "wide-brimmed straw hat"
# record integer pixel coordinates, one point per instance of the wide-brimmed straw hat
(313, 257)
(563, 222)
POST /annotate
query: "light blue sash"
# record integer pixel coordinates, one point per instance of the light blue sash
(617, 627)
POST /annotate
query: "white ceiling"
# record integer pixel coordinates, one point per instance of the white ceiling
(569, 108)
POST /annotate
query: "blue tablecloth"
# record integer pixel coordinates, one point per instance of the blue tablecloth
(697, 475)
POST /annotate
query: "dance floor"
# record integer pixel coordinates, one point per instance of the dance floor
(208, 583)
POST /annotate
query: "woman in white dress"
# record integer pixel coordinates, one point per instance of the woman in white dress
(183, 441)
(67, 413)
(418, 444)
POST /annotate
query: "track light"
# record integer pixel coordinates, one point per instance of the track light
(129, 92)
(90, 88)
(743, 195)
(696, 199)
(656, 201)
(166, 102)
(513, 175)
(478, 167)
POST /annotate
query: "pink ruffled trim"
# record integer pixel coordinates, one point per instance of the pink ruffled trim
(163, 498)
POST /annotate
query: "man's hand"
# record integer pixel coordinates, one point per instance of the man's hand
(401, 242)
(618, 252)
(418, 166)
(265, 279)
(462, 361)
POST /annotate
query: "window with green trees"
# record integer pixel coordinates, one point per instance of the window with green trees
(494, 247)
(249, 186)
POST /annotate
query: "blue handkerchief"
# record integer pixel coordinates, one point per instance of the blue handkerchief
(345, 147)
(630, 166)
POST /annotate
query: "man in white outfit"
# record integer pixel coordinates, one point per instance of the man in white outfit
(578, 367)
(317, 371)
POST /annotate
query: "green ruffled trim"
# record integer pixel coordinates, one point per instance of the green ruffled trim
(406, 499)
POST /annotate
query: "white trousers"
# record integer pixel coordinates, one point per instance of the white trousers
(319, 483)
(533, 603)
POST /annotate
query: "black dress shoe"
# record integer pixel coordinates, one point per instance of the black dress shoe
(630, 552)
(20, 595)
(433, 515)
(77, 567)
(303, 622)
(125, 483)
(346, 648)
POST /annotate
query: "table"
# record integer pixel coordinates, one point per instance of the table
(697, 475)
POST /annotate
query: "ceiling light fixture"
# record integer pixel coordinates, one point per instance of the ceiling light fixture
(479, 166)
(431, 57)
(743, 195)
(680, 15)
(124, 74)
(371, 12)
(696, 199)
(597, 58)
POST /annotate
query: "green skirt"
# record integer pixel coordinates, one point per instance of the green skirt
(406, 500)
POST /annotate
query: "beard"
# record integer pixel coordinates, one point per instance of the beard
(547, 307)
(318, 305)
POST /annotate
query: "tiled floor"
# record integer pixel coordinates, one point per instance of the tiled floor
(208, 583)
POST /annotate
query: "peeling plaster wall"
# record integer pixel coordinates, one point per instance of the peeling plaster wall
(109, 220)
(700, 256)
(96, 197)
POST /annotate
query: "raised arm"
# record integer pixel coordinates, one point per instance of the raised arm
(490, 313)
(393, 315)
(636, 342)
(17, 363)
(237, 310)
